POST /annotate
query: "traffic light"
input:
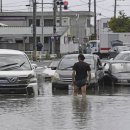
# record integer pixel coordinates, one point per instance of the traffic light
(59, 2)
(65, 5)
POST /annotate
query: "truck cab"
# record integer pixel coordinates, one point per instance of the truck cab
(92, 47)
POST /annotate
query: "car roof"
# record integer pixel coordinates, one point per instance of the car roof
(125, 52)
(94, 41)
(10, 51)
(76, 55)
(118, 61)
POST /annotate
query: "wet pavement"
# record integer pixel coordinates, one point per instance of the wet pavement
(104, 108)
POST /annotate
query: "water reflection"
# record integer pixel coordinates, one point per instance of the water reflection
(80, 112)
(102, 109)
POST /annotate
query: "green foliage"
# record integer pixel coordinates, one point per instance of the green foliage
(120, 24)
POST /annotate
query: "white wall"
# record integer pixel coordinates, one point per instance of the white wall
(67, 47)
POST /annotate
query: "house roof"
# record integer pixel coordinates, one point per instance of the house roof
(50, 13)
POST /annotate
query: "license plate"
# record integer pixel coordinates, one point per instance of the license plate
(124, 81)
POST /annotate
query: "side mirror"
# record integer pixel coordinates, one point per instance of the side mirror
(104, 64)
(34, 66)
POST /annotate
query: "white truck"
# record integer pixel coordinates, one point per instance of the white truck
(107, 42)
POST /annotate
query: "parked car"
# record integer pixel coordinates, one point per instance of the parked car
(118, 73)
(117, 50)
(63, 76)
(17, 75)
(49, 71)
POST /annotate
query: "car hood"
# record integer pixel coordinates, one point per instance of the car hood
(16, 73)
(48, 71)
(67, 73)
(122, 75)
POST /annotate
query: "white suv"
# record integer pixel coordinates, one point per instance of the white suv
(17, 75)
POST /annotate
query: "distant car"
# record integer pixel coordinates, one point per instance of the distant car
(124, 55)
(49, 71)
(63, 76)
(17, 74)
(117, 73)
(116, 50)
(119, 49)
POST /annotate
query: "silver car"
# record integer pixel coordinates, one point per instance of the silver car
(17, 75)
(63, 76)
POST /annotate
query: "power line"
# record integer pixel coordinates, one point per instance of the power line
(104, 8)
(15, 2)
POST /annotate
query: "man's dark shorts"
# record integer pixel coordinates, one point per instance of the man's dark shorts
(80, 83)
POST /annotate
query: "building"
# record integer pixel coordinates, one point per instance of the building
(18, 34)
(102, 26)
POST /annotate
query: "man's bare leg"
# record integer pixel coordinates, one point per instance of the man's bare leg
(75, 90)
(83, 90)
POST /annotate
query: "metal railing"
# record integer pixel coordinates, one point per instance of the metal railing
(40, 55)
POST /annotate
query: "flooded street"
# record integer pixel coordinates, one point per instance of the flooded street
(103, 109)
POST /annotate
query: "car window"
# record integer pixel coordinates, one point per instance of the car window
(127, 58)
(69, 62)
(53, 64)
(17, 62)
(120, 56)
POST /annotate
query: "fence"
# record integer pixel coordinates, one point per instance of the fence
(40, 55)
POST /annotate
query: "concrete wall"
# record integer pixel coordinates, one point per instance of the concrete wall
(79, 27)
(67, 46)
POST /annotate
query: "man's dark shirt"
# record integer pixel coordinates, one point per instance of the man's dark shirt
(81, 69)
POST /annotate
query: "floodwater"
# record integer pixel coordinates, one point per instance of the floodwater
(104, 108)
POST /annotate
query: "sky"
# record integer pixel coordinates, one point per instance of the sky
(104, 8)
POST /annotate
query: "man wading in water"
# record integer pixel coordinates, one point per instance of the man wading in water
(81, 75)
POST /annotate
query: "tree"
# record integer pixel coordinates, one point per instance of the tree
(120, 24)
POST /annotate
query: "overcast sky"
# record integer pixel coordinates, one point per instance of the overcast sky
(104, 7)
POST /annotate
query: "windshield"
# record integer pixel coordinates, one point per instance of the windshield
(120, 67)
(121, 56)
(123, 48)
(14, 62)
(53, 64)
(67, 63)
(92, 44)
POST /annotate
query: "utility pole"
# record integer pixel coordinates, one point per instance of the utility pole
(60, 3)
(60, 14)
(34, 31)
(1, 6)
(95, 19)
(89, 4)
(115, 8)
(54, 26)
(42, 26)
